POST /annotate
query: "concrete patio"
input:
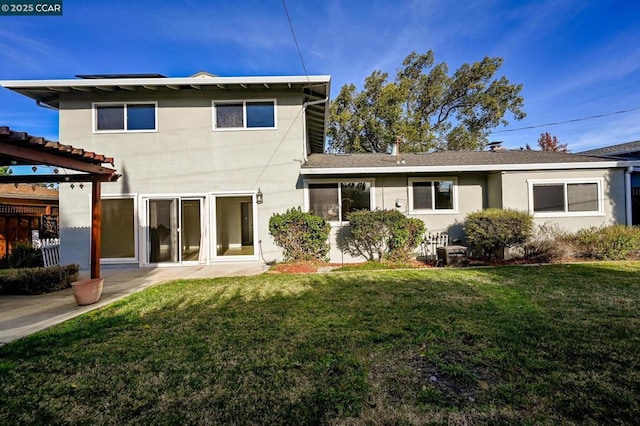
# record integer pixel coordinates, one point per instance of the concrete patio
(24, 315)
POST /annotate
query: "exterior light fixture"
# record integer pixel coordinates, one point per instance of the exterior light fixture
(259, 199)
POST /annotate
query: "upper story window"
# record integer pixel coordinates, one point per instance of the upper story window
(125, 117)
(244, 115)
(335, 200)
(566, 197)
(433, 195)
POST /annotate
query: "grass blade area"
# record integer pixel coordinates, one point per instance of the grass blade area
(551, 344)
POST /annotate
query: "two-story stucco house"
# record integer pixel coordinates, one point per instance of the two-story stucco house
(207, 160)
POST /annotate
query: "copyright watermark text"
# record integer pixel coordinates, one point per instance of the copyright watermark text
(33, 8)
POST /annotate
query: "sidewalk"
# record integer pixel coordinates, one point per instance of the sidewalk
(24, 315)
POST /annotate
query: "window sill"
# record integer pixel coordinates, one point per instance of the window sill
(236, 129)
(433, 212)
(97, 132)
(568, 214)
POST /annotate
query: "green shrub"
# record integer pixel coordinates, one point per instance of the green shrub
(23, 255)
(615, 242)
(492, 230)
(380, 234)
(37, 280)
(302, 236)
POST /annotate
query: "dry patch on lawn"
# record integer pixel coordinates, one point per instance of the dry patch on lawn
(407, 388)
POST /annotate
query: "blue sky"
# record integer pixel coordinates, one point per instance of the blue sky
(575, 58)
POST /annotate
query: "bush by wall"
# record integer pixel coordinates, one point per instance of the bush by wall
(615, 242)
(382, 234)
(303, 236)
(491, 230)
(37, 280)
(548, 244)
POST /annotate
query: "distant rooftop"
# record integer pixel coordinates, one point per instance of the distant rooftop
(622, 150)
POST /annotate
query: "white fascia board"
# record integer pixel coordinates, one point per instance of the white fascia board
(209, 81)
(472, 168)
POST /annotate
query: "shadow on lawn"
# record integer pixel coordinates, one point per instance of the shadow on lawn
(508, 344)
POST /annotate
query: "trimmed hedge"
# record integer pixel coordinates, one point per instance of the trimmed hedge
(488, 231)
(37, 280)
(302, 236)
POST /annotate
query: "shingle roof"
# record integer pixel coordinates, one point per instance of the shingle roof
(450, 160)
(615, 150)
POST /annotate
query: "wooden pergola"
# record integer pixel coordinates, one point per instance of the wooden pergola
(23, 149)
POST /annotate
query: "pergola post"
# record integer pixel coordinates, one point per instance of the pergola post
(96, 213)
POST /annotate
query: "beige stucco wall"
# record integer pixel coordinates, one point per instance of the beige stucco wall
(494, 190)
(185, 156)
(516, 196)
(392, 192)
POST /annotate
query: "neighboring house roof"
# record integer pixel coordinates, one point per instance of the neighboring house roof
(453, 161)
(27, 192)
(313, 88)
(624, 150)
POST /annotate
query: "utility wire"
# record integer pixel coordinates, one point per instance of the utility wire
(567, 121)
(304, 67)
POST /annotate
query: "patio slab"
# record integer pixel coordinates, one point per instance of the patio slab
(24, 315)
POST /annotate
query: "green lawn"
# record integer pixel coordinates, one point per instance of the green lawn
(551, 344)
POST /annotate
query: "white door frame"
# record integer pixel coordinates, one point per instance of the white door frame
(214, 257)
(143, 219)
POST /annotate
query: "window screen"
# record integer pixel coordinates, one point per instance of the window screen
(229, 116)
(110, 117)
(117, 234)
(548, 198)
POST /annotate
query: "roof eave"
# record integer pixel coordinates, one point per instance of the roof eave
(465, 168)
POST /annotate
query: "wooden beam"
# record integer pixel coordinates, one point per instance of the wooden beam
(173, 86)
(266, 85)
(59, 89)
(151, 87)
(244, 86)
(38, 156)
(130, 88)
(196, 86)
(106, 88)
(96, 222)
(222, 86)
(81, 89)
(40, 178)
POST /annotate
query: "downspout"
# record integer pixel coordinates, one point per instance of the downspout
(305, 152)
(627, 194)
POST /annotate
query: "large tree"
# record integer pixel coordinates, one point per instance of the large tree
(424, 107)
(547, 142)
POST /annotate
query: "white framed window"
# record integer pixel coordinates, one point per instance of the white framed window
(118, 232)
(433, 195)
(335, 199)
(113, 117)
(565, 197)
(234, 115)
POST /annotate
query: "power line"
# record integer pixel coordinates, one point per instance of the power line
(304, 67)
(568, 121)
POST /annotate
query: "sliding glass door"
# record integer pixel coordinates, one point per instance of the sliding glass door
(174, 229)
